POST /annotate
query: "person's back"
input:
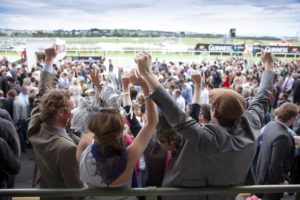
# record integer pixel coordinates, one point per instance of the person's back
(265, 164)
(54, 150)
(9, 165)
(220, 154)
(276, 156)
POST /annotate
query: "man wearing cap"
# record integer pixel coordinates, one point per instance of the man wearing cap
(220, 153)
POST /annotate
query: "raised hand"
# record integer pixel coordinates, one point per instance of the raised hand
(268, 59)
(144, 61)
(50, 54)
(95, 79)
(196, 77)
(125, 81)
(136, 78)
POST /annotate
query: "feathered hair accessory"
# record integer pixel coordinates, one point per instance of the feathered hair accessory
(110, 98)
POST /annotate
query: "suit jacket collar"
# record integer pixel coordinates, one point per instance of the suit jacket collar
(56, 132)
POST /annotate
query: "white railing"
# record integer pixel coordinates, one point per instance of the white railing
(93, 52)
(285, 54)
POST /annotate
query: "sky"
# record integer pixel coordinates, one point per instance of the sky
(249, 17)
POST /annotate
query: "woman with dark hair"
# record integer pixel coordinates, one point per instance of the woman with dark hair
(103, 159)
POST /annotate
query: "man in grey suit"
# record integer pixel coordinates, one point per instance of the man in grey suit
(54, 149)
(276, 155)
(220, 153)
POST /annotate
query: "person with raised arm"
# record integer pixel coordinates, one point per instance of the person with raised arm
(220, 153)
(55, 150)
(103, 159)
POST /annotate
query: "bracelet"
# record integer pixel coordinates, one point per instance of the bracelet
(126, 93)
(146, 97)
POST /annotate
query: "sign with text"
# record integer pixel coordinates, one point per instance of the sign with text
(214, 47)
(276, 49)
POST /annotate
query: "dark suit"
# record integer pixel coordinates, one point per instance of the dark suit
(296, 92)
(214, 155)
(276, 156)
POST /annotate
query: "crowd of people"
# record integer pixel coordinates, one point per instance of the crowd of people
(215, 123)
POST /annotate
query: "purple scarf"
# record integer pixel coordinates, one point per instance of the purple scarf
(110, 163)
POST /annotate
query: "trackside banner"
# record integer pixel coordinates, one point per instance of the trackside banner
(220, 47)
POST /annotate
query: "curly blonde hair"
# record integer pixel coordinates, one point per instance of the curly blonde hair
(52, 101)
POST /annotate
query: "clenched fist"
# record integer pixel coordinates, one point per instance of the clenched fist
(196, 77)
(144, 61)
(268, 59)
(50, 55)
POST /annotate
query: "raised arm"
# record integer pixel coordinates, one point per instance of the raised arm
(87, 138)
(135, 126)
(126, 86)
(178, 119)
(195, 106)
(196, 77)
(44, 86)
(137, 147)
(262, 100)
(135, 150)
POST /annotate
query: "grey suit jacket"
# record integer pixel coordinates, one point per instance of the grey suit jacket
(297, 126)
(276, 156)
(54, 150)
(214, 155)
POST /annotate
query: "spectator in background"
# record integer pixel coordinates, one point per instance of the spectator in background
(9, 135)
(9, 166)
(76, 91)
(24, 55)
(133, 93)
(276, 155)
(31, 101)
(141, 101)
(179, 99)
(13, 85)
(7, 103)
(205, 115)
(246, 94)
(204, 94)
(226, 82)
(14, 72)
(24, 94)
(83, 71)
(216, 77)
(288, 84)
(120, 71)
(4, 83)
(90, 63)
(296, 91)
(283, 98)
(111, 75)
(187, 92)
(20, 120)
(63, 81)
(21, 75)
(4, 113)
